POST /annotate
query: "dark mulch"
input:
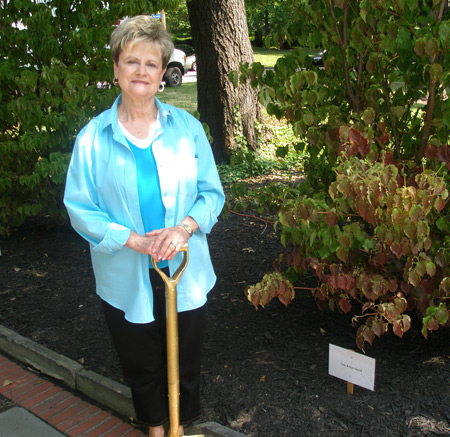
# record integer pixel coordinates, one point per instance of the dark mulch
(265, 373)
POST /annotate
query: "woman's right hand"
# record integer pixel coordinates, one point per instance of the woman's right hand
(140, 243)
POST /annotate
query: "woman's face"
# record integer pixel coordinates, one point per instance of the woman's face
(139, 70)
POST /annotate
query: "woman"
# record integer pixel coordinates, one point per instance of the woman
(142, 182)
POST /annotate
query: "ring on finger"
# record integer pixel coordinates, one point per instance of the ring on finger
(174, 245)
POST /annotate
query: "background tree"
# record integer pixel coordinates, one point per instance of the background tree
(221, 42)
(55, 74)
(372, 219)
(267, 21)
(177, 20)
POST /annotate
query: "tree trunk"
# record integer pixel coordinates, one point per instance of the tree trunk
(221, 42)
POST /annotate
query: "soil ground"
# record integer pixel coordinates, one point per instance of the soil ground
(265, 373)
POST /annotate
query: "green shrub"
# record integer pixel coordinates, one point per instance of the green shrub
(371, 221)
(55, 75)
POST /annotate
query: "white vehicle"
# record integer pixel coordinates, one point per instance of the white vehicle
(176, 68)
(191, 63)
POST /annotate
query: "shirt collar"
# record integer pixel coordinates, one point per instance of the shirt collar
(164, 112)
(111, 117)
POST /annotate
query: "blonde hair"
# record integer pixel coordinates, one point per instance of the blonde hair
(141, 28)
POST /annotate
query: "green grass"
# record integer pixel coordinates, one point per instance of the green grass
(268, 57)
(184, 97)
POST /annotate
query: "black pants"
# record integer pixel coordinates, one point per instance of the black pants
(142, 353)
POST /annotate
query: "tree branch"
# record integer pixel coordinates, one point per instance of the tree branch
(310, 18)
(360, 70)
(345, 26)
(252, 216)
(391, 119)
(442, 8)
(342, 47)
(428, 119)
(431, 101)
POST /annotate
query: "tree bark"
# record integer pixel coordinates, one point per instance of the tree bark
(221, 42)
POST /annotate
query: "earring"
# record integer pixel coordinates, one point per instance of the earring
(161, 87)
(115, 82)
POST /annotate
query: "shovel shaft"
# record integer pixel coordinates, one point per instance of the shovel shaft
(173, 376)
(173, 370)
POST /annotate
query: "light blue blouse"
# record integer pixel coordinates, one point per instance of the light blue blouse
(102, 200)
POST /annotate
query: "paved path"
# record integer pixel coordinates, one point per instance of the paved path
(43, 409)
(32, 405)
(190, 76)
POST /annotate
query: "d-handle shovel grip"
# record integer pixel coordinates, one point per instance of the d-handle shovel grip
(176, 276)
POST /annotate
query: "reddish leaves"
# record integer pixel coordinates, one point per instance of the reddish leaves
(271, 286)
(344, 304)
(401, 325)
(442, 153)
(384, 136)
(355, 143)
(366, 211)
(370, 242)
(331, 218)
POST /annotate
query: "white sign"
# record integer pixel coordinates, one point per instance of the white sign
(351, 367)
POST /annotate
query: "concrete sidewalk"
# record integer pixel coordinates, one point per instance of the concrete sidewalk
(43, 408)
(18, 422)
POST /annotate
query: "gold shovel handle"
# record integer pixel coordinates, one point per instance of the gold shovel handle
(173, 370)
(176, 276)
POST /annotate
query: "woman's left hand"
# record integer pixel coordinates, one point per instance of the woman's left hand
(168, 242)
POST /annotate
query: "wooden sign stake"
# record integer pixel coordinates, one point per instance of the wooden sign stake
(349, 388)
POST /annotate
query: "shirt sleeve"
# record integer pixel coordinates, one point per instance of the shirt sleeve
(210, 198)
(81, 200)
